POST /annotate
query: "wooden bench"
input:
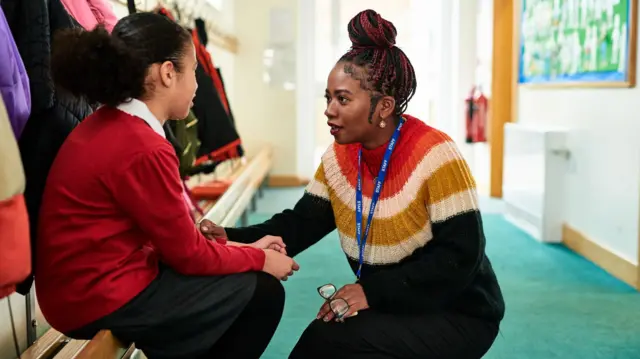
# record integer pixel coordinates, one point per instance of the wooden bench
(55, 345)
(240, 196)
(247, 180)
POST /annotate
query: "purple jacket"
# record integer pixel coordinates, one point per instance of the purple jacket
(14, 83)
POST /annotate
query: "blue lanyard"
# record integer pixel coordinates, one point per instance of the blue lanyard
(376, 194)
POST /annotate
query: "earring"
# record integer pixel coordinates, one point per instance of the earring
(382, 124)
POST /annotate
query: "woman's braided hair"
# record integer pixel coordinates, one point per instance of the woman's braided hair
(374, 60)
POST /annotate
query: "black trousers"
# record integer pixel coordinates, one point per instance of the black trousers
(179, 316)
(374, 335)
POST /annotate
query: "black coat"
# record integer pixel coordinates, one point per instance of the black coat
(53, 114)
(215, 129)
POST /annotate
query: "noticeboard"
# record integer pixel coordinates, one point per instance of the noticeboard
(579, 43)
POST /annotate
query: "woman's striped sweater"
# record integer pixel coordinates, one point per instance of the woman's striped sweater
(426, 246)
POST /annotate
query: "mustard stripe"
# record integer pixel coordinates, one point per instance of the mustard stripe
(452, 177)
(317, 186)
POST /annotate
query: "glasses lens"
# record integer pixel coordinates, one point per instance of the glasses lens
(327, 291)
(340, 307)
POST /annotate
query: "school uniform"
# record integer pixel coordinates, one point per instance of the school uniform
(118, 249)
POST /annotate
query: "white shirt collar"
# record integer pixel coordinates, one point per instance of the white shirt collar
(139, 109)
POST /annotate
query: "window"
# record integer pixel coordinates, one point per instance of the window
(217, 4)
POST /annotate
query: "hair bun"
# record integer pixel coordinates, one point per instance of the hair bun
(369, 29)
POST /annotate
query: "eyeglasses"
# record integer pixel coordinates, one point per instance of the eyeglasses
(338, 306)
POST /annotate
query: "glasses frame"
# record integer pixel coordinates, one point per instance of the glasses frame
(334, 301)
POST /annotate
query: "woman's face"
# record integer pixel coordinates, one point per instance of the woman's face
(348, 104)
(183, 89)
(354, 112)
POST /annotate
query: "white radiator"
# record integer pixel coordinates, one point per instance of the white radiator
(535, 162)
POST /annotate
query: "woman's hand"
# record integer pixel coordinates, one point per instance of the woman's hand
(355, 297)
(212, 230)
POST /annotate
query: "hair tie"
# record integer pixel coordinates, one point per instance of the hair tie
(373, 47)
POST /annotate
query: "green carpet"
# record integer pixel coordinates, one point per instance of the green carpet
(559, 305)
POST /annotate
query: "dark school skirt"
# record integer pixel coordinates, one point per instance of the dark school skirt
(177, 316)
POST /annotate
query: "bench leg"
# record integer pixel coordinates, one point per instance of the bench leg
(244, 219)
(253, 203)
(32, 324)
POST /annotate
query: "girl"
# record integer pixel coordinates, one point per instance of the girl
(117, 248)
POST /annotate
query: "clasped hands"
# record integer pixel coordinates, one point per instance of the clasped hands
(280, 266)
(276, 263)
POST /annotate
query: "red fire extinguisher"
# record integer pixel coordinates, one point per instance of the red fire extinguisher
(476, 114)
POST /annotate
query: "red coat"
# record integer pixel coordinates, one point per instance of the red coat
(15, 248)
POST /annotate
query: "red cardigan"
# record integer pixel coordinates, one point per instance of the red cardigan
(112, 208)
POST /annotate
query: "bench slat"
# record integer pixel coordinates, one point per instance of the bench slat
(103, 346)
(44, 346)
(72, 348)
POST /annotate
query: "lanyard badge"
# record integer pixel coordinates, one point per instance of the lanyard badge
(374, 198)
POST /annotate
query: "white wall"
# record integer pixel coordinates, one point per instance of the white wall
(263, 114)
(602, 188)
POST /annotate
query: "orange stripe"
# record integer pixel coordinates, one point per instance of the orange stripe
(404, 162)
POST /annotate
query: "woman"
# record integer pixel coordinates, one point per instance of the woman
(425, 288)
(117, 248)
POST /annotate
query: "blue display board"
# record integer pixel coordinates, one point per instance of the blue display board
(577, 42)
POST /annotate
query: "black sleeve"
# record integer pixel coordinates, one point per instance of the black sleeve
(310, 220)
(448, 263)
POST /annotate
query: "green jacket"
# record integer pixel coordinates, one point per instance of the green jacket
(186, 132)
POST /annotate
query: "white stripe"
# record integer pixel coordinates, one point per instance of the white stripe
(385, 254)
(318, 189)
(455, 204)
(438, 156)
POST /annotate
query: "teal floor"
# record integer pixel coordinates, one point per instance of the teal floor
(559, 305)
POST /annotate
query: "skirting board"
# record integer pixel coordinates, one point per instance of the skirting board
(287, 181)
(610, 262)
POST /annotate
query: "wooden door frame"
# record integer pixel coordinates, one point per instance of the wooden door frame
(504, 84)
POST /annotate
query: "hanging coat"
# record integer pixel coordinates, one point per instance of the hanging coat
(90, 13)
(219, 139)
(14, 82)
(54, 114)
(15, 251)
(224, 89)
(186, 134)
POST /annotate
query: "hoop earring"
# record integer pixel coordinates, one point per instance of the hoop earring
(382, 124)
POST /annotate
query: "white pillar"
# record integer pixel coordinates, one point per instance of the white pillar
(305, 89)
(338, 30)
(446, 39)
(452, 60)
(465, 59)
